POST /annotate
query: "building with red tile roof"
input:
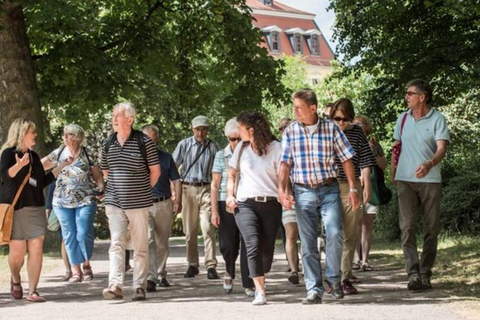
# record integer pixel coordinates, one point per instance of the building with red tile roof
(290, 31)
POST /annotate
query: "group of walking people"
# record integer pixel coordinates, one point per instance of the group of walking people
(319, 171)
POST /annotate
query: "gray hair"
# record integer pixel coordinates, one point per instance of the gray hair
(126, 107)
(151, 128)
(76, 130)
(231, 127)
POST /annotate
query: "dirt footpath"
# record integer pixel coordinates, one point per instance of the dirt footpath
(383, 295)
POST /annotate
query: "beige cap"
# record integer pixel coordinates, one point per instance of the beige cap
(200, 121)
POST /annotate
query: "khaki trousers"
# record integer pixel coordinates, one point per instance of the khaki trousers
(121, 222)
(414, 200)
(160, 221)
(350, 220)
(197, 211)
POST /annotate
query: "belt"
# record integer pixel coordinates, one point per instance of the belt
(160, 199)
(196, 184)
(262, 199)
(326, 182)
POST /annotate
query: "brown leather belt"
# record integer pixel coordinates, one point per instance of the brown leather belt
(160, 199)
(326, 182)
(196, 184)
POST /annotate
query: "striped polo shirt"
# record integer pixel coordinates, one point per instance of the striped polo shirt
(187, 151)
(363, 157)
(128, 185)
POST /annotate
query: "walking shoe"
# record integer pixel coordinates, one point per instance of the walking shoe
(426, 285)
(163, 283)
(250, 292)
(293, 278)
(191, 272)
(354, 279)
(260, 299)
(227, 284)
(112, 293)
(335, 289)
(138, 295)
(348, 287)
(414, 282)
(151, 286)
(212, 274)
(312, 298)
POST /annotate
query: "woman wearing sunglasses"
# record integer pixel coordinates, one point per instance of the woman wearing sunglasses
(342, 114)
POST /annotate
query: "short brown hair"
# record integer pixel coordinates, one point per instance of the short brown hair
(345, 106)
(307, 95)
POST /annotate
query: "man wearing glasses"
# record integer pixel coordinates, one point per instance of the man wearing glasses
(424, 135)
(196, 155)
(309, 148)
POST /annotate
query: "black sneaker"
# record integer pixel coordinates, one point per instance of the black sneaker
(191, 272)
(293, 278)
(425, 279)
(151, 286)
(414, 282)
(212, 274)
(348, 287)
(336, 289)
(138, 295)
(312, 298)
(163, 283)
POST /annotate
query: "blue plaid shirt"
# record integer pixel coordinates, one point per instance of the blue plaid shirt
(312, 156)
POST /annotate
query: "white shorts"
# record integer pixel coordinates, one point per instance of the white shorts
(370, 209)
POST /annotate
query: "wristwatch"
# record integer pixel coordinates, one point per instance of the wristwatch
(354, 190)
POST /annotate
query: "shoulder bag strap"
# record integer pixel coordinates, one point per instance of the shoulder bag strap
(237, 175)
(196, 159)
(403, 123)
(19, 191)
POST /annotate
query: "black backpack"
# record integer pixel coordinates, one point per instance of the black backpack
(138, 135)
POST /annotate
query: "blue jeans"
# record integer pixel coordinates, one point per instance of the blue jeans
(77, 231)
(309, 204)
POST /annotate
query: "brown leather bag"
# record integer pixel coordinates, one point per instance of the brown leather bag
(6, 213)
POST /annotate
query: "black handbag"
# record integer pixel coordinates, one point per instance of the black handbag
(381, 194)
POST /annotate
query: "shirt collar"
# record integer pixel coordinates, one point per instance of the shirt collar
(227, 151)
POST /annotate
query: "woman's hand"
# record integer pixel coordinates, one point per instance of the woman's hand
(68, 161)
(23, 161)
(231, 203)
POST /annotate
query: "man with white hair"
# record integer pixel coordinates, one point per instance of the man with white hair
(130, 164)
(195, 155)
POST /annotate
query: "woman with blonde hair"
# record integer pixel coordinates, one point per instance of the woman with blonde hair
(18, 163)
(74, 199)
(364, 240)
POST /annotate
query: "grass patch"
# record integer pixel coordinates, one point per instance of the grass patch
(456, 269)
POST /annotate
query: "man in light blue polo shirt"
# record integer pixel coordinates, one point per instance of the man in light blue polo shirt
(424, 138)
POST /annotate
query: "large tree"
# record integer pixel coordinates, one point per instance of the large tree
(173, 58)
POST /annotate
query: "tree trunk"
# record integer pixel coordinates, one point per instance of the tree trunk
(19, 96)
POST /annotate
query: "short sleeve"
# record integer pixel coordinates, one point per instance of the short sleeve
(152, 154)
(286, 154)
(441, 129)
(342, 147)
(53, 156)
(174, 175)
(218, 163)
(103, 157)
(178, 153)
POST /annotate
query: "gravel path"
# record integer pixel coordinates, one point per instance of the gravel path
(383, 295)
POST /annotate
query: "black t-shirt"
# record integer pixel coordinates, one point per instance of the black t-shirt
(31, 196)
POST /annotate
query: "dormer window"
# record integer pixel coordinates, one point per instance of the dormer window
(295, 37)
(267, 2)
(313, 40)
(272, 35)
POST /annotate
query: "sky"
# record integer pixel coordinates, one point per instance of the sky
(324, 19)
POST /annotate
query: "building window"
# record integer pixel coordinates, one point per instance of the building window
(297, 43)
(268, 2)
(275, 43)
(314, 45)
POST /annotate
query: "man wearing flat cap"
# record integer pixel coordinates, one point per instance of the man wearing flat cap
(195, 156)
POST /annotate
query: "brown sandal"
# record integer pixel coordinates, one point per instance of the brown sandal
(76, 278)
(16, 289)
(67, 276)
(35, 297)
(87, 273)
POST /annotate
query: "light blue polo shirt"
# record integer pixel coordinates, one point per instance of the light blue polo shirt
(220, 165)
(419, 144)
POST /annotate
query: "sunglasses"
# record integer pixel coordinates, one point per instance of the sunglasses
(338, 119)
(234, 139)
(411, 93)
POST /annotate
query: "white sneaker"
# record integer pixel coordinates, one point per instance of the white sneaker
(260, 299)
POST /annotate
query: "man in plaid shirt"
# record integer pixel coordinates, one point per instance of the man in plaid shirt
(309, 147)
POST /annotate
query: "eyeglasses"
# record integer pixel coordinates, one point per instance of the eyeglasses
(234, 139)
(338, 119)
(411, 93)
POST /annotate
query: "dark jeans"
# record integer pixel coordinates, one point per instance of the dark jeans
(229, 242)
(414, 200)
(259, 222)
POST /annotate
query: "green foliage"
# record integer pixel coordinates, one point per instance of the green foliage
(173, 59)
